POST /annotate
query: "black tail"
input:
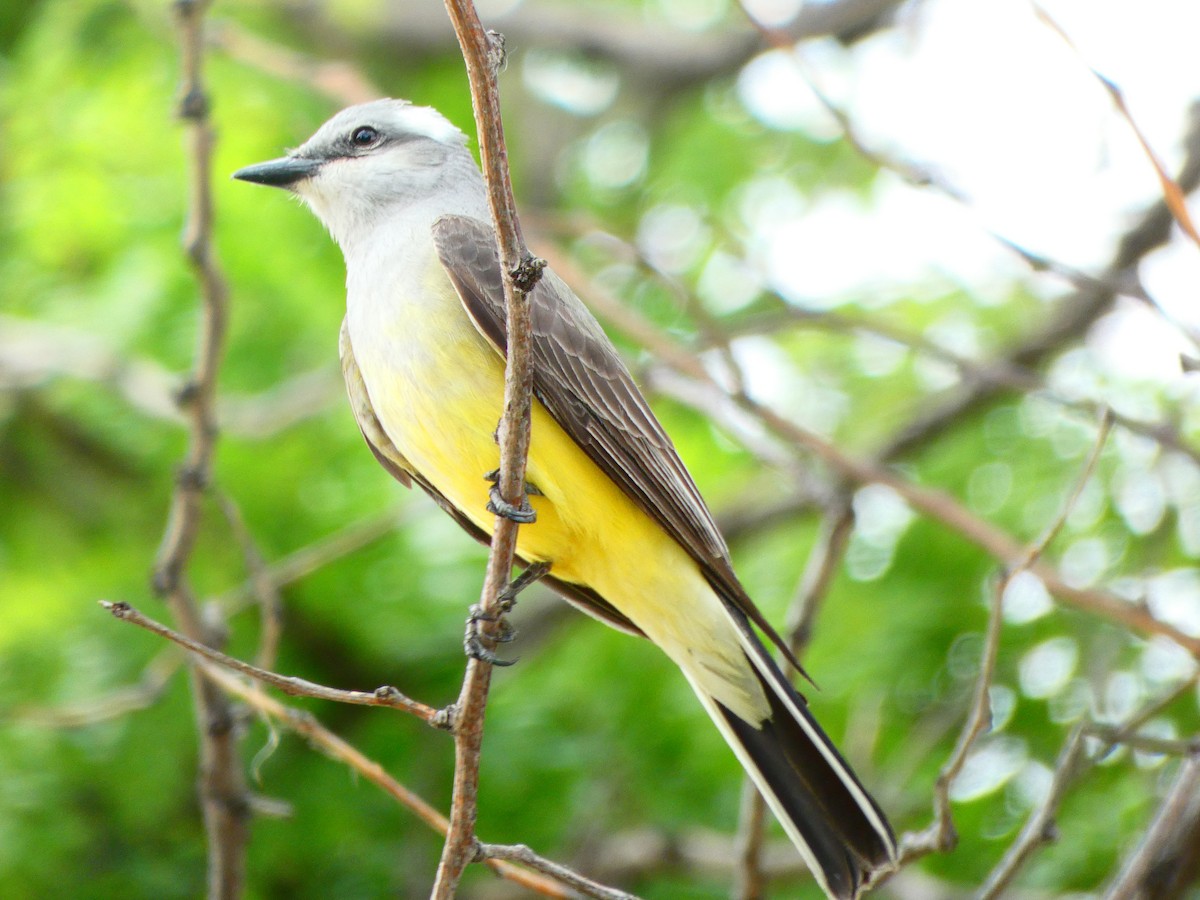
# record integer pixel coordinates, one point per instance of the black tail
(838, 829)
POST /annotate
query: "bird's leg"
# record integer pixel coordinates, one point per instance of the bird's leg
(523, 514)
(473, 643)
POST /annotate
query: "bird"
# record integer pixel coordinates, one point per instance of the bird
(615, 520)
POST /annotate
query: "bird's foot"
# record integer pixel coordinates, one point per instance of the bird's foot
(524, 514)
(476, 641)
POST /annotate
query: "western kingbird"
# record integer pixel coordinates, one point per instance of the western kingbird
(618, 518)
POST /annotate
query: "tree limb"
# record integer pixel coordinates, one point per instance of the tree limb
(222, 787)
(483, 53)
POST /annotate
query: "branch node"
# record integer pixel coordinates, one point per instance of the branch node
(497, 56)
(193, 105)
(192, 478)
(527, 273)
(220, 723)
(445, 719)
(477, 853)
(187, 394)
(120, 609)
(164, 580)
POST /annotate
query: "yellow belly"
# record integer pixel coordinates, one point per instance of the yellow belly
(439, 396)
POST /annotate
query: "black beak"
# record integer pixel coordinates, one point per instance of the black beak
(281, 172)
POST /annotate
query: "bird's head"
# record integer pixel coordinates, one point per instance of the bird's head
(368, 161)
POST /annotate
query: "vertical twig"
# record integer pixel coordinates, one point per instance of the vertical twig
(941, 836)
(1040, 828)
(222, 786)
(483, 53)
(1171, 814)
(827, 553)
(749, 880)
(263, 587)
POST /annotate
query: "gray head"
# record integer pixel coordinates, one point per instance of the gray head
(370, 161)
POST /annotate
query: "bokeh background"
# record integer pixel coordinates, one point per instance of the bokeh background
(902, 226)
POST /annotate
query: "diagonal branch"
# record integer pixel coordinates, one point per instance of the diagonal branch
(941, 836)
(1076, 313)
(336, 748)
(297, 687)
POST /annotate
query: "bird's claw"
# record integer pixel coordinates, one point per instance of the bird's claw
(473, 642)
(522, 515)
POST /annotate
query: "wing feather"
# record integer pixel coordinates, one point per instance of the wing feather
(581, 380)
(394, 462)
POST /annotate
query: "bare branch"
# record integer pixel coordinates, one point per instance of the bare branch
(1171, 833)
(1075, 313)
(935, 504)
(1173, 196)
(265, 590)
(34, 354)
(222, 789)
(836, 527)
(941, 835)
(1039, 828)
(336, 748)
(522, 854)
(297, 687)
(340, 81)
(483, 53)
(750, 882)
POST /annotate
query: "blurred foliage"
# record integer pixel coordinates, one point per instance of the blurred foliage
(578, 748)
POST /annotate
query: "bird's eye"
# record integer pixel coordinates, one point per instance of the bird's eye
(364, 136)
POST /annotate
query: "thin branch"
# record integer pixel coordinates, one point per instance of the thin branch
(336, 748)
(1073, 762)
(1172, 195)
(1093, 295)
(935, 504)
(1169, 834)
(483, 53)
(826, 555)
(1000, 373)
(1147, 743)
(522, 854)
(1074, 314)
(1039, 828)
(265, 590)
(34, 354)
(749, 879)
(941, 836)
(340, 81)
(297, 687)
(222, 787)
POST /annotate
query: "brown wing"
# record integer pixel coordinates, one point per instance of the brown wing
(580, 379)
(393, 460)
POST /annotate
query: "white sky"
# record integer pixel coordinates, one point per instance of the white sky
(983, 93)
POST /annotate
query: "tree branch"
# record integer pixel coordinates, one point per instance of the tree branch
(297, 687)
(936, 505)
(222, 785)
(941, 835)
(483, 53)
(335, 747)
